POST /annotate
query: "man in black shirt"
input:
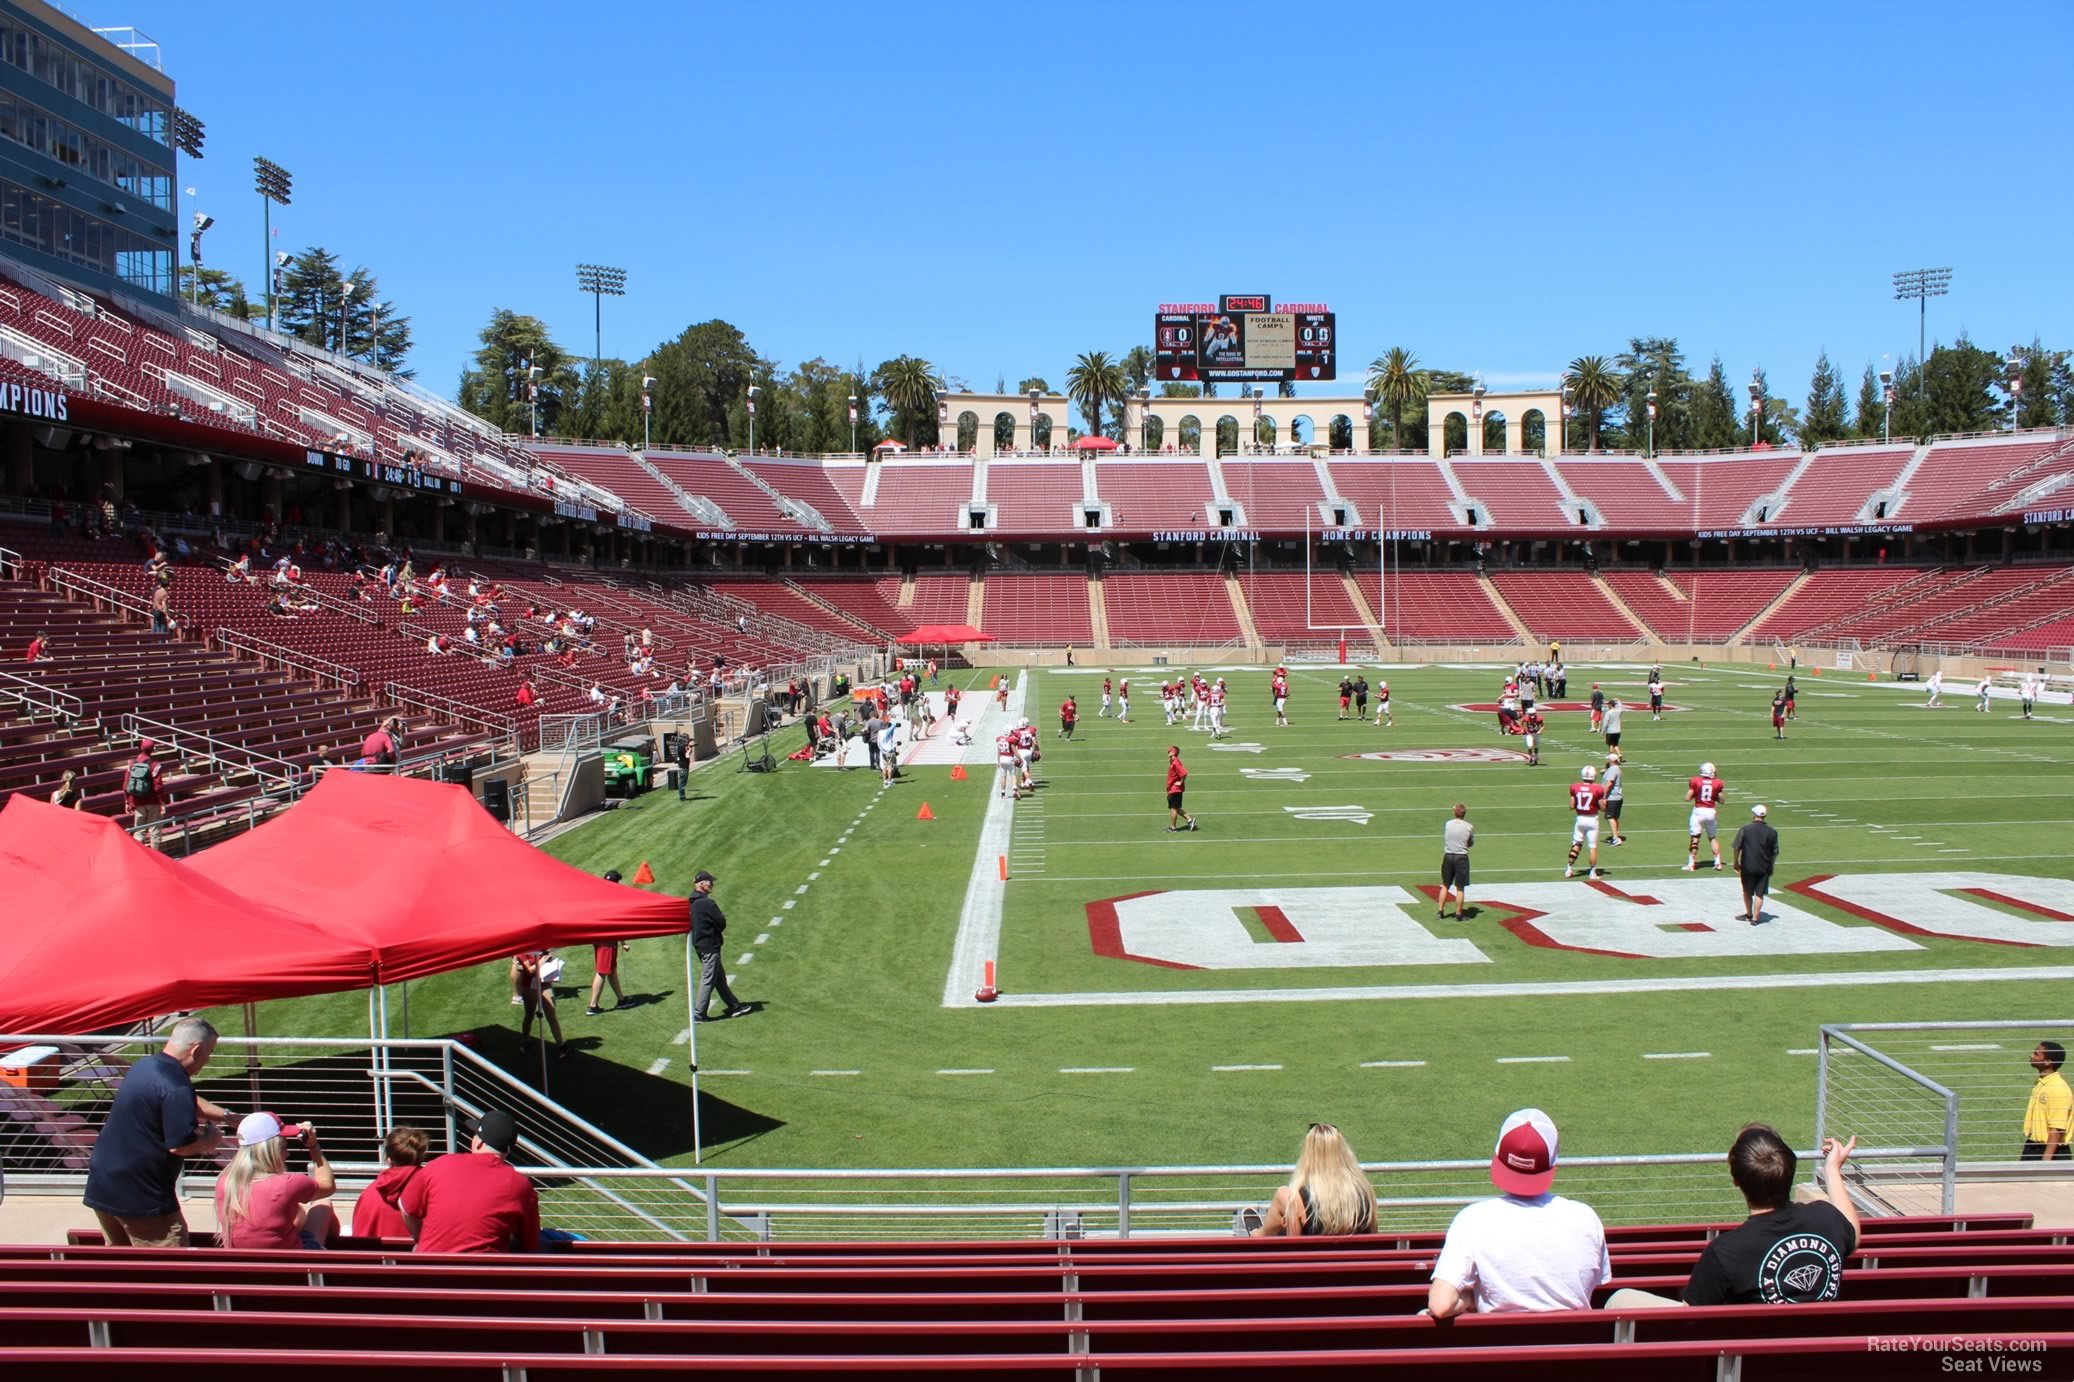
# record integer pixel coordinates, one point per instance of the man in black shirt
(1784, 1253)
(708, 934)
(153, 1127)
(1756, 849)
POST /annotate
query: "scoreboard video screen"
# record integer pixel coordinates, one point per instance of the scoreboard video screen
(1243, 337)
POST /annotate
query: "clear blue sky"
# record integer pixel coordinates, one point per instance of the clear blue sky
(1743, 177)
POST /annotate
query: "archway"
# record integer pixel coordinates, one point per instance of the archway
(1004, 431)
(1340, 433)
(1264, 433)
(1534, 431)
(1155, 434)
(1188, 434)
(1040, 435)
(1455, 433)
(1494, 433)
(1302, 431)
(1227, 435)
(968, 431)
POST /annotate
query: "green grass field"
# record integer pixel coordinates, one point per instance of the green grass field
(847, 907)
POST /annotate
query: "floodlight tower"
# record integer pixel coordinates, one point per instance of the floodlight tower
(1922, 285)
(600, 282)
(274, 184)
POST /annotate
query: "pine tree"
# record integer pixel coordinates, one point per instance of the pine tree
(1826, 417)
(1871, 406)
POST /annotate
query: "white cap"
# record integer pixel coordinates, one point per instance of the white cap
(1706, 770)
(255, 1128)
(1758, 810)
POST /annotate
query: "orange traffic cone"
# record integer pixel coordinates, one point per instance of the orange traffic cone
(958, 772)
(1771, 666)
(925, 814)
(644, 874)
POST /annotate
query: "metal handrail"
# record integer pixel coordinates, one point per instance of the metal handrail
(446, 707)
(216, 751)
(99, 592)
(266, 650)
(35, 695)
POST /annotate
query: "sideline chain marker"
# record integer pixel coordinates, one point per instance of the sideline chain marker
(644, 874)
(987, 992)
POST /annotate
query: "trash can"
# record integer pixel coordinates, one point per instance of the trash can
(676, 780)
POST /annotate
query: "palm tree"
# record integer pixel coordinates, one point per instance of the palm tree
(1594, 387)
(1395, 380)
(909, 387)
(1094, 382)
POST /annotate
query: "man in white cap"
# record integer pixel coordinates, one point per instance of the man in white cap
(1755, 850)
(1528, 1248)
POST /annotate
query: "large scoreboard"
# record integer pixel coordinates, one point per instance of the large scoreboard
(1244, 337)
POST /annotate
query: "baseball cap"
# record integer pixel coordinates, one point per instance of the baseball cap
(497, 1129)
(703, 877)
(611, 875)
(1758, 810)
(147, 744)
(1525, 1160)
(255, 1128)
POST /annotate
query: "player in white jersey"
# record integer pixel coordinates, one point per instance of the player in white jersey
(1026, 752)
(1006, 768)
(1382, 704)
(2028, 693)
(1980, 695)
(1103, 713)
(1936, 687)
(1123, 701)
(1202, 705)
(1217, 710)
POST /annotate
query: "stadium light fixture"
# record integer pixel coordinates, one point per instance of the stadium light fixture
(1652, 424)
(1756, 404)
(853, 422)
(1568, 408)
(600, 281)
(188, 132)
(1034, 396)
(275, 184)
(2016, 383)
(753, 391)
(648, 406)
(1886, 399)
(345, 306)
(533, 373)
(202, 221)
(1921, 285)
(1144, 417)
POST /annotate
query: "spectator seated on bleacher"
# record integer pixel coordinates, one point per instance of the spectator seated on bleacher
(1784, 1253)
(1327, 1193)
(378, 1213)
(1528, 1249)
(474, 1201)
(260, 1203)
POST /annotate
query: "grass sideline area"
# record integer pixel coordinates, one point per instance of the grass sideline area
(846, 907)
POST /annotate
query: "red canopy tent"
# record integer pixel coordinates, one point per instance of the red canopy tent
(945, 633)
(420, 875)
(104, 931)
(1093, 443)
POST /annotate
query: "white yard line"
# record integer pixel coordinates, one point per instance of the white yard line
(979, 920)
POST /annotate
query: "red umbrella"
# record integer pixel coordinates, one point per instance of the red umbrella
(1094, 444)
(889, 445)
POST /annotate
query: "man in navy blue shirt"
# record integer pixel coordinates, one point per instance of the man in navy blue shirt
(155, 1124)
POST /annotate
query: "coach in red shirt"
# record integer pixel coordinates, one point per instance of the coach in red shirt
(475, 1201)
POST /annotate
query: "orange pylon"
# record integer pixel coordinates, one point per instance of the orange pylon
(644, 874)
(958, 773)
(925, 814)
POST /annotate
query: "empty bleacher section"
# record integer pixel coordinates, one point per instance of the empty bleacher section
(1283, 495)
(809, 483)
(920, 498)
(1834, 594)
(1159, 608)
(1838, 484)
(1436, 607)
(1034, 496)
(1563, 605)
(1399, 493)
(1724, 490)
(1966, 477)
(1629, 494)
(613, 468)
(1699, 607)
(705, 475)
(1298, 610)
(1048, 609)
(1514, 494)
(1155, 496)
(940, 597)
(869, 600)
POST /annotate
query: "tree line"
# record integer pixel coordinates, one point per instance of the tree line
(314, 304)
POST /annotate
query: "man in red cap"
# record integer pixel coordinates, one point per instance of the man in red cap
(1528, 1248)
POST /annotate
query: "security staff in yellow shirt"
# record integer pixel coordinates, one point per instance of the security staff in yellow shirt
(2051, 1110)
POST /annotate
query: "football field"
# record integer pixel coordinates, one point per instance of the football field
(1198, 998)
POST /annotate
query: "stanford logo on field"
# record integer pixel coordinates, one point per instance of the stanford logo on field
(1443, 755)
(1561, 707)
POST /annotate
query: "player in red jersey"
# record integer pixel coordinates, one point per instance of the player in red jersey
(1382, 704)
(1530, 726)
(1123, 701)
(1177, 783)
(1587, 800)
(1068, 714)
(1705, 793)
(1280, 687)
(1107, 700)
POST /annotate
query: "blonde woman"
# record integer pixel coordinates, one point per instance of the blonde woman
(260, 1203)
(1326, 1194)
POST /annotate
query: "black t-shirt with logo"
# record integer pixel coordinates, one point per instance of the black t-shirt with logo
(1790, 1256)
